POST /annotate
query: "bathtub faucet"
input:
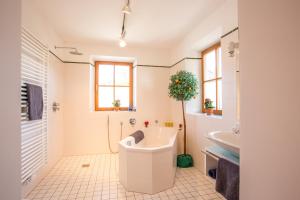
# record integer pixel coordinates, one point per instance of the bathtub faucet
(180, 127)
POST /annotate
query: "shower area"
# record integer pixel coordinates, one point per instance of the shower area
(70, 125)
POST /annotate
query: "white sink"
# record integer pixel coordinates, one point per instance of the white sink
(227, 140)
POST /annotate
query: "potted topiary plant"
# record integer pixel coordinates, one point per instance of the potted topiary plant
(209, 107)
(183, 87)
(116, 103)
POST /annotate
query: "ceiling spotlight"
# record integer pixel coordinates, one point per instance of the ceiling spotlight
(122, 43)
(126, 9)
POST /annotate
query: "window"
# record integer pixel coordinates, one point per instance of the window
(212, 77)
(113, 81)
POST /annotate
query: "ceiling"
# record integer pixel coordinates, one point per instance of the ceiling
(152, 23)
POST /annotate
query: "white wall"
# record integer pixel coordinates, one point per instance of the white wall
(55, 119)
(270, 96)
(86, 130)
(10, 139)
(33, 21)
(206, 33)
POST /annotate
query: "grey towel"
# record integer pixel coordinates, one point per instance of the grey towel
(228, 179)
(138, 136)
(35, 101)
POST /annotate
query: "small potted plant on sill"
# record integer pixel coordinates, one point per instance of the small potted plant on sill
(116, 103)
(209, 107)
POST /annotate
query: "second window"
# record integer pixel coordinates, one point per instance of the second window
(212, 77)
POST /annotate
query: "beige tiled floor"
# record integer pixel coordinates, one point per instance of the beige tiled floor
(69, 180)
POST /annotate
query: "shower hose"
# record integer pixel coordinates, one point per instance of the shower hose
(108, 135)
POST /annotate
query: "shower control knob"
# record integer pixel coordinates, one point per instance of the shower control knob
(55, 106)
(132, 121)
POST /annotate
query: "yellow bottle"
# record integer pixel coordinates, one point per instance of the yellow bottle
(169, 124)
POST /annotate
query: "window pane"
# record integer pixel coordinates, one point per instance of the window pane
(106, 75)
(219, 62)
(210, 91)
(122, 75)
(106, 97)
(210, 65)
(220, 95)
(122, 94)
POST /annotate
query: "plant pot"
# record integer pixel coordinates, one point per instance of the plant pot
(116, 108)
(184, 161)
(209, 111)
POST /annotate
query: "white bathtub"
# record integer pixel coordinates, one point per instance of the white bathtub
(149, 166)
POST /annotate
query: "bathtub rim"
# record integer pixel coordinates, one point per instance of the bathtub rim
(150, 149)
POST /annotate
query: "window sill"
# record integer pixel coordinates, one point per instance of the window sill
(113, 111)
(205, 115)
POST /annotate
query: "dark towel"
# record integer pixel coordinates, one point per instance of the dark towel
(35, 101)
(212, 173)
(138, 136)
(228, 179)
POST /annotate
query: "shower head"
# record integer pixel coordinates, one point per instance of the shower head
(74, 50)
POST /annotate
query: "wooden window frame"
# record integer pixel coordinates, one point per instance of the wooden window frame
(215, 47)
(97, 63)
